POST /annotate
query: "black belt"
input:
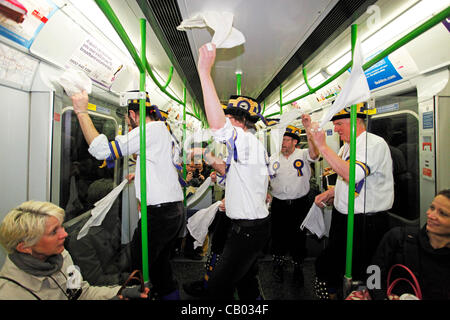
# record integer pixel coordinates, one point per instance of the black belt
(289, 201)
(250, 223)
(165, 204)
(375, 213)
(369, 214)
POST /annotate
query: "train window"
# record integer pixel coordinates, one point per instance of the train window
(83, 181)
(398, 124)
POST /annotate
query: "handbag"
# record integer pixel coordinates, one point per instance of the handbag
(391, 285)
(135, 275)
(359, 295)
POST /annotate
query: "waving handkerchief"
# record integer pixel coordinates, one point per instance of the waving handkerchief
(314, 221)
(198, 194)
(74, 81)
(278, 130)
(101, 208)
(356, 89)
(225, 36)
(199, 223)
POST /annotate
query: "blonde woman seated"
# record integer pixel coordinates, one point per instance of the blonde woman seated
(38, 266)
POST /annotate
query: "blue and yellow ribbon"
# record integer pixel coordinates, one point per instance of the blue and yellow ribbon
(116, 153)
(299, 164)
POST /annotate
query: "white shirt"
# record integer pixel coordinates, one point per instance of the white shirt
(162, 177)
(376, 191)
(247, 179)
(291, 180)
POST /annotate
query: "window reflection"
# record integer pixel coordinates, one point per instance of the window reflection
(80, 172)
(400, 130)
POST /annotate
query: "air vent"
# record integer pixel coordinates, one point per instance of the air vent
(164, 17)
(344, 13)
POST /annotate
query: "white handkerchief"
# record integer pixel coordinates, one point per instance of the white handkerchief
(74, 81)
(355, 90)
(199, 223)
(314, 221)
(225, 36)
(278, 130)
(101, 208)
(199, 192)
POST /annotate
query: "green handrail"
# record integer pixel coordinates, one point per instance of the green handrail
(351, 181)
(281, 97)
(399, 43)
(184, 139)
(142, 65)
(114, 20)
(238, 83)
(305, 77)
(143, 158)
(169, 78)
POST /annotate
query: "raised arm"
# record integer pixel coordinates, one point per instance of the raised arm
(80, 107)
(214, 111)
(312, 149)
(340, 166)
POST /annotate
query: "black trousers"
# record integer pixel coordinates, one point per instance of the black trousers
(220, 228)
(164, 224)
(238, 266)
(368, 231)
(287, 216)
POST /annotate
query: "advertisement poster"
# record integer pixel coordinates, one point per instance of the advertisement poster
(98, 63)
(21, 20)
(397, 66)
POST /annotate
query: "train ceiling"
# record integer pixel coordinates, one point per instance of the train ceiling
(280, 37)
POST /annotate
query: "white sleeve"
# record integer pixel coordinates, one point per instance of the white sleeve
(223, 134)
(99, 147)
(308, 157)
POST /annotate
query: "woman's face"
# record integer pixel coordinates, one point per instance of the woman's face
(438, 215)
(52, 242)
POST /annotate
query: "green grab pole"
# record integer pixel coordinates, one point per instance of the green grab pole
(183, 140)
(142, 65)
(436, 19)
(238, 83)
(143, 158)
(351, 182)
(281, 99)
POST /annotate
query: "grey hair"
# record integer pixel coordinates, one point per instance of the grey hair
(26, 223)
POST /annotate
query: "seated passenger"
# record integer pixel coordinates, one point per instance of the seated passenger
(38, 266)
(426, 252)
(102, 259)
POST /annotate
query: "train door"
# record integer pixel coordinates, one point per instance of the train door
(397, 122)
(78, 169)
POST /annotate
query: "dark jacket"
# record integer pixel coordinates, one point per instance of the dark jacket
(411, 247)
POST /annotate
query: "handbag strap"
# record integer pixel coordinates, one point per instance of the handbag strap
(22, 286)
(415, 286)
(135, 275)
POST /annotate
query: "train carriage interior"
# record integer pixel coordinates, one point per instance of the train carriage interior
(290, 49)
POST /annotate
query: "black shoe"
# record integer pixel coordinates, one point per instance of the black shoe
(299, 278)
(278, 273)
(193, 256)
(195, 288)
(278, 268)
